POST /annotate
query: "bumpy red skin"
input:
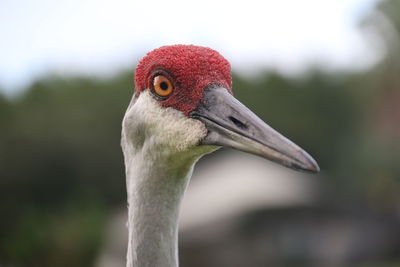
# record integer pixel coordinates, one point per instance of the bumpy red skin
(190, 68)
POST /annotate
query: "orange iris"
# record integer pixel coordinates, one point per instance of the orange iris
(162, 86)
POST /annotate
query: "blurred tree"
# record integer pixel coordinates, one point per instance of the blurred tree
(59, 143)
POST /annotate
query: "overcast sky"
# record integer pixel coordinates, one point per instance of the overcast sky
(102, 37)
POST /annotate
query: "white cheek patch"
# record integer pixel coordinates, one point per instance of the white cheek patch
(153, 125)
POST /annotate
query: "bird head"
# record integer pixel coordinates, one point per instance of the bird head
(184, 101)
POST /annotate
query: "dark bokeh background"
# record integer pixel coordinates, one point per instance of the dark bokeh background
(62, 174)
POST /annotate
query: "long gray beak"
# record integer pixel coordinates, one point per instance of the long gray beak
(231, 124)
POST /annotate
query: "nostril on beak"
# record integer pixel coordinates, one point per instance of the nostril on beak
(238, 123)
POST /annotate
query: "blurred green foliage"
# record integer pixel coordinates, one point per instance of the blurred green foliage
(61, 166)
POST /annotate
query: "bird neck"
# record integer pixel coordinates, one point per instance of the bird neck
(156, 182)
(160, 148)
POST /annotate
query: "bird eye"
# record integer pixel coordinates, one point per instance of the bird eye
(162, 86)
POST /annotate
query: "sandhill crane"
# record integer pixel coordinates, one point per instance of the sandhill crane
(182, 109)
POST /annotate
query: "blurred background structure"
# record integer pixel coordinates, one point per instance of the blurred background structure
(327, 75)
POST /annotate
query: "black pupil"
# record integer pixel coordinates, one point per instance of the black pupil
(164, 85)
